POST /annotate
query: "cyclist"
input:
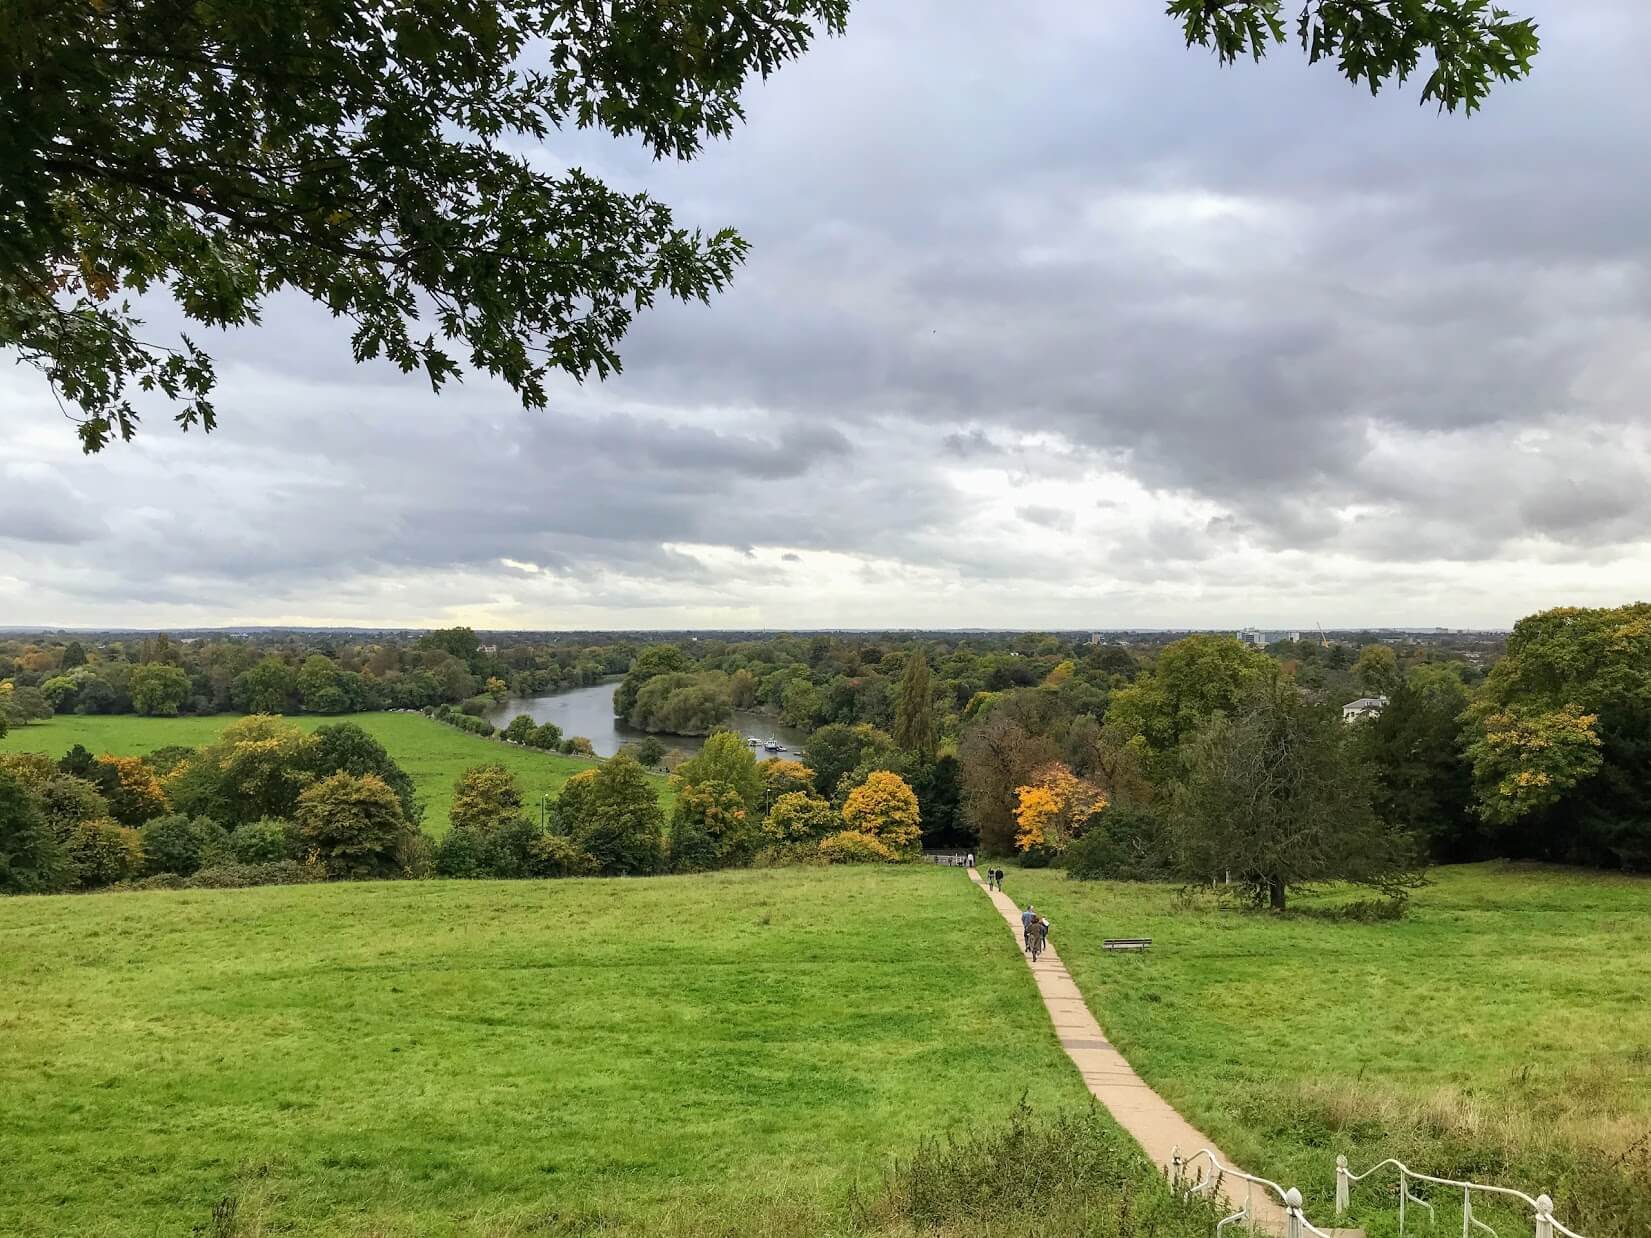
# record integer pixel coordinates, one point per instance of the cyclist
(1028, 918)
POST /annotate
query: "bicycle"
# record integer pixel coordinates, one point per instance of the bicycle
(1039, 943)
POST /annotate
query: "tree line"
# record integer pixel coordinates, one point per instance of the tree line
(159, 676)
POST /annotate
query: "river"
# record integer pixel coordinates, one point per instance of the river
(589, 712)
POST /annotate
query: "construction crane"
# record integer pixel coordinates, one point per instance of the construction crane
(1324, 641)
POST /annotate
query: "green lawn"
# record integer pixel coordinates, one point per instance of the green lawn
(1501, 1031)
(432, 754)
(707, 1055)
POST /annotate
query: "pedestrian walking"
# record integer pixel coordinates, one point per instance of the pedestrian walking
(971, 859)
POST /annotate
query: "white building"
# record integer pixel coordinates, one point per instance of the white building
(1364, 707)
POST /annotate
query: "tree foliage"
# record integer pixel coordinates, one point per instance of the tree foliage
(32, 856)
(1560, 738)
(711, 827)
(485, 797)
(1471, 43)
(726, 759)
(369, 155)
(915, 728)
(1274, 797)
(1054, 808)
(355, 826)
(885, 808)
(613, 813)
(798, 816)
(158, 689)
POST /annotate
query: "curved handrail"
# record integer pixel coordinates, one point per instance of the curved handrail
(1296, 1224)
(1542, 1207)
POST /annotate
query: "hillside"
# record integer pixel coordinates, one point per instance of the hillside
(476, 1057)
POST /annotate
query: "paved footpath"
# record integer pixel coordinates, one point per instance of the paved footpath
(1113, 1082)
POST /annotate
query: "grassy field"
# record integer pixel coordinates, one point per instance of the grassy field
(422, 1058)
(432, 754)
(1502, 1031)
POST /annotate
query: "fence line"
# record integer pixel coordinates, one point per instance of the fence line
(1542, 1207)
(1296, 1224)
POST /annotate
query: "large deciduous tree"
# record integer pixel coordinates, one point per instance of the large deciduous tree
(1560, 740)
(376, 157)
(355, 825)
(1274, 796)
(158, 689)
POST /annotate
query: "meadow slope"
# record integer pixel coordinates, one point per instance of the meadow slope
(438, 1058)
(1501, 1031)
(434, 755)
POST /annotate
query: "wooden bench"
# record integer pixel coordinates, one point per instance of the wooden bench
(1127, 943)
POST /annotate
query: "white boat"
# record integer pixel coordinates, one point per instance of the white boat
(772, 745)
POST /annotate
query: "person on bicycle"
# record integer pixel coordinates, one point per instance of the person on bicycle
(1027, 919)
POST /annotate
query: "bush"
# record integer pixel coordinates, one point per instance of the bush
(1074, 1174)
(264, 841)
(476, 706)
(104, 852)
(556, 856)
(853, 847)
(180, 844)
(578, 746)
(235, 876)
(787, 855)
(462, 854)
(1124, 843)
(1362, 910)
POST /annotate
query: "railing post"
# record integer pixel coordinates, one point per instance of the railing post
(1343, 1187)
(1292, 1213)
(1544, 1217)
(1404, 1194)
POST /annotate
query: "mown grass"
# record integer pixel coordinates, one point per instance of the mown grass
(726, 1054)
(434, 755)
(1500, 1032)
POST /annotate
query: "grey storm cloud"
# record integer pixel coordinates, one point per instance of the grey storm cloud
(1036, 250)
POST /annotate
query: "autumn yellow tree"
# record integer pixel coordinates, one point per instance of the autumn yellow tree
(884, 808)
(784, 777)
(1054, 807)
(133, 791)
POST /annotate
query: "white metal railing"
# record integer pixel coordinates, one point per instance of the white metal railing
(1296, 1224)
(1542, 1207)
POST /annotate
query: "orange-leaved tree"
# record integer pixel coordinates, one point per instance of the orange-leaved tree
(1054, 808)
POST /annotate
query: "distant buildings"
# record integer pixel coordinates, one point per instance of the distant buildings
(1364, 707)
(1261, 639)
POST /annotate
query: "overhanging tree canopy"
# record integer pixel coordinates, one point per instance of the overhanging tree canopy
(375, 155)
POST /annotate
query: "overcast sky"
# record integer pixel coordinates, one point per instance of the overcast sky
(1048, 322)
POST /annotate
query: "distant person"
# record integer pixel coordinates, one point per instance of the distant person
(1000, 880)
(1027, 919)
(969, 860)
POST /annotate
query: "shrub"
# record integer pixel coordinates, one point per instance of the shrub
(462, 854)
(66, 801)
(556, 856)
(1075, 1173)
(264, 841)
(786, 855)
(105, 851)
(476, 706)
(853, 847)
(578, 746)
(235, 876)
(546, 735)
(649, 753)
(180, 844)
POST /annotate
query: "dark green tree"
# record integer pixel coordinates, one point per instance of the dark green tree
(1274, 796)
(618, 819)
(74, 654)
(1424, 783)
(344, 747)
(32, 857)
(915, 728)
